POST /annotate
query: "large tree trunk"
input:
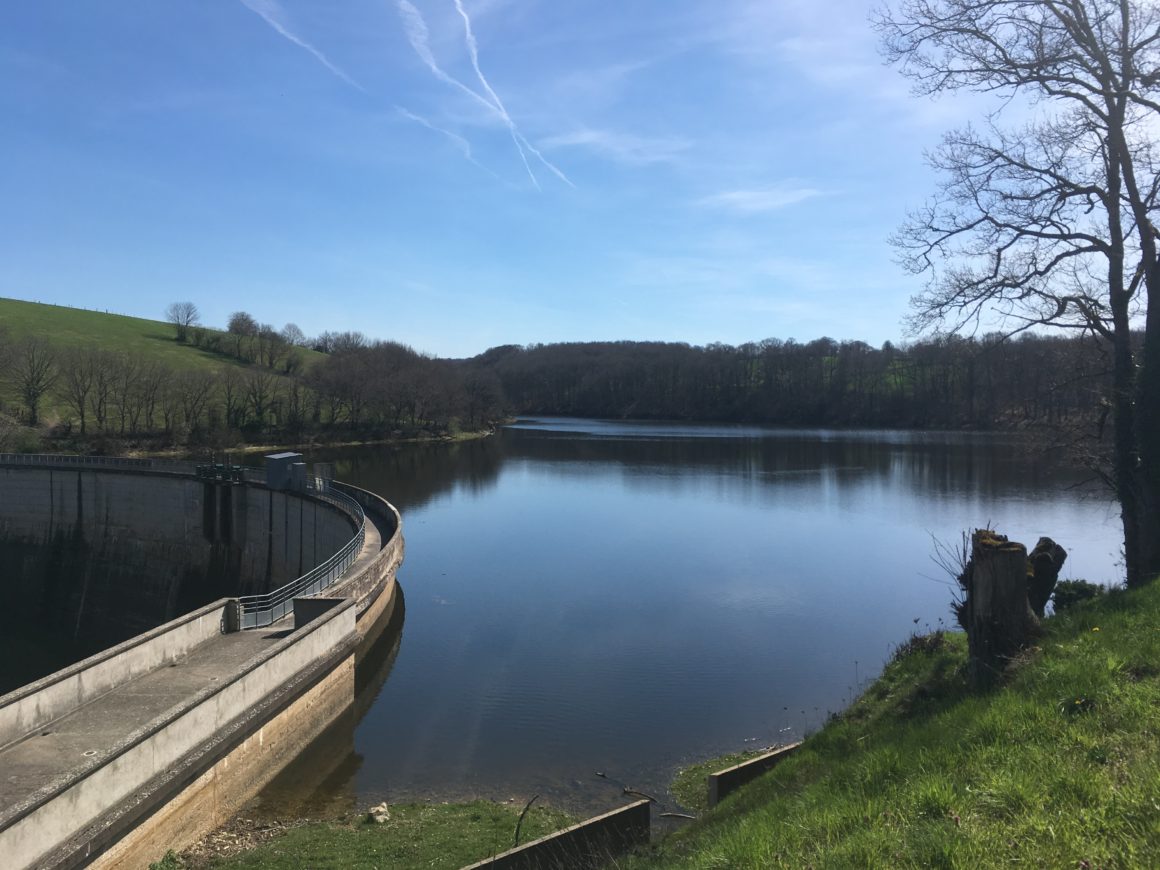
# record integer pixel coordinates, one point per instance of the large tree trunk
(1143, 555)
(999, 620)
(1126, 443)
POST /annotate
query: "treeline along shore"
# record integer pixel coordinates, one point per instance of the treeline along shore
(947, 382)
(70, 377)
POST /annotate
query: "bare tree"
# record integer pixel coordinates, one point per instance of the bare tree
(340, 342)
(104, 374)
(242, 327)
(1050, 223)
(233, 398)
(78, 373)
(291, 334)
(271, 346)
(182, 315)
(5, 350)
(33, 371)
(124, 380)
(193, 391)
(153, 376)
(259, 387)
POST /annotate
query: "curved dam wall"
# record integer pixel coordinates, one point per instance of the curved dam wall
(91, 557)
(372, 583)
(161, 777)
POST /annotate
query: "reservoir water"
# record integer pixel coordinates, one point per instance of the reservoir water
(588, 596)
(591, 596)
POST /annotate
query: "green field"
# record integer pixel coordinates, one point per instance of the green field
(151, 342)
(77, 327)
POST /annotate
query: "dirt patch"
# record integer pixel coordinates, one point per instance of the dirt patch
(237, 835)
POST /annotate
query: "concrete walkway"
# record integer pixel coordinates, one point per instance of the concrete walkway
(372, 543)
(95, 728)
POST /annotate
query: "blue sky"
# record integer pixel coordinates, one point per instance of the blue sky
(462, 175)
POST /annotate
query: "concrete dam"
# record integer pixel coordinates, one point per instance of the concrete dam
(221, 610)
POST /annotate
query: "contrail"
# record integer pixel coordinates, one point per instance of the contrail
(270, 12)
(462, 144)
(517, 137)
(419, 37)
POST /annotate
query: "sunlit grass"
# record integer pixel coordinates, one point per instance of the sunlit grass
(416, 836)
(70, 328)
(1058, 766)
(151, 341)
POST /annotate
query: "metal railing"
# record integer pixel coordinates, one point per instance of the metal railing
(258, 611)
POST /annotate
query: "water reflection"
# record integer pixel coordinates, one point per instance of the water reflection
(625, 598)
(319, 783)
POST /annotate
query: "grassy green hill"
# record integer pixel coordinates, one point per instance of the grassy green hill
(148, 343)
(77, 327)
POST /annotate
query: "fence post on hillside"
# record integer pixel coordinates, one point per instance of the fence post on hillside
(999, 619)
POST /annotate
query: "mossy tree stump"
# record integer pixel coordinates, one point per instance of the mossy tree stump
(999, 619)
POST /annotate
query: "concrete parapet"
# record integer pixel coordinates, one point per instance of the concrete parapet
(61, 811)
(162, 772)
(306, 610)
(371, 582)
(727, 781)
(115, 552)
(590, 844)
(35, 705)
(212, 784)
(386, 516)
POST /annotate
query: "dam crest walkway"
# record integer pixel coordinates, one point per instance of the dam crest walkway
(79, 739)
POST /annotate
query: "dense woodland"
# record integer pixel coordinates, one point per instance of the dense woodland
(354, 388)
(947, 382)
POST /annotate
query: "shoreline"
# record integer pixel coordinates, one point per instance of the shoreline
(913, 764)
(248, 449)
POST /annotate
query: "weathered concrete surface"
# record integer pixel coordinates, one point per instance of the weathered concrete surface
(89, 558)
(727, 781)
(210, 800)
(36, 705)
(277, 535)
(589, 844)
(152, 744)
(54, 786)
(371, 580)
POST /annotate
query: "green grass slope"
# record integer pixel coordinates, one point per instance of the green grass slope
(76, 327)
(1059, 767)
(151, 341)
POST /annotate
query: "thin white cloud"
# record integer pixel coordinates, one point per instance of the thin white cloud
(270, 12)
(760, 200)
(831, 46)
(415, 26)
(473, 51)
(621, 147)
(460, 143)
(517, 137)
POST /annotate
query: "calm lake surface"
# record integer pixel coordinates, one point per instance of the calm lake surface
(588, 596)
